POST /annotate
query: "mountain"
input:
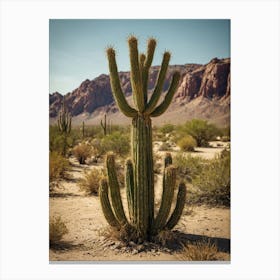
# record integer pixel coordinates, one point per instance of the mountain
(203, 92)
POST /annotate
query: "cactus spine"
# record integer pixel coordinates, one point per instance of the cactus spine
(139, 170)
(64, 125)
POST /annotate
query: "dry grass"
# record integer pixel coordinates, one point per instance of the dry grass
(125, 234)
(57, 229)
(58, 167)
(82, 152)
(165, 238)
(187, 143)
(90, 182)
(200, 251)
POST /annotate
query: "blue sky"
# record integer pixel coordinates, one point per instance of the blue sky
(77, 47)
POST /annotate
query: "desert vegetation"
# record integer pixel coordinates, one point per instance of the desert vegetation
(141, 183)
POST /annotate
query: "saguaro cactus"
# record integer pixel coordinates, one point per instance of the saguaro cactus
(64, 119)
(64, 125)
(139, 170)
(104, 124)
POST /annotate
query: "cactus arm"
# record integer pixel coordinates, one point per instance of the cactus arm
(159, 85)
(135, 75)
(166, 201)
(106, 205)
(116, 86)
(147, 64)
(142, 59)
(129, 180)
(115, 190)
(181, 200)
(160, 109)
(151, 46)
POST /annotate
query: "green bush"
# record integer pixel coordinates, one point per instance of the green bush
(58, 166)
(57, 140)
(189, 167)
(82, 152)
(187, 143)
(214, 180)
(90, 182)
(201, 131)
(167, 128)
(117, 142)
(210, 179)
(57, 229)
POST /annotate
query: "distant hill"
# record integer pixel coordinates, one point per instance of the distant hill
(204, 92)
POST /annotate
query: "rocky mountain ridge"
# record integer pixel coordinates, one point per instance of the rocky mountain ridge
(203, 92)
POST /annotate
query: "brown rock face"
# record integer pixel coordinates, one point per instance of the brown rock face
(210, 81)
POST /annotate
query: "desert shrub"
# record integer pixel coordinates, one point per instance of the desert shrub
(58, 166)
(165, 146)
(187, 143)
(98, 148)
(57, 229)
(210, 179)
(214, 180)
(167, 128)
(117, 142)
(201, 131)
(200, 251)
(59, 142)
(189, 167)
(82, 151)
(90, 182)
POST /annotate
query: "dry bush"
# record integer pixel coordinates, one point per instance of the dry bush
(199, 251)
(125, 234)
(214, 180)
(82, 152)
(58, 166)
(57, 229)
(187, 143)
(165, 146)
(165, 238)
(90, 182)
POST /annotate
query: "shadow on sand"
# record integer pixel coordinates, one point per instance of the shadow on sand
(65, 246)
(223, 244)
(63, 195)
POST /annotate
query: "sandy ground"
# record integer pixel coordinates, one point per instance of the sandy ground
(87, 225)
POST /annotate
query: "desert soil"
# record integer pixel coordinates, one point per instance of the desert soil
(87, 226)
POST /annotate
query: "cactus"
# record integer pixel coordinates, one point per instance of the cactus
(64, 125)
(83, 130)
(139, 170)
(104, 124)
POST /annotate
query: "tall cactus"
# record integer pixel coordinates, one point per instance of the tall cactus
(64, 125)
(139, 170)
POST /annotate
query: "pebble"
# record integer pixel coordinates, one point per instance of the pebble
(131, 243)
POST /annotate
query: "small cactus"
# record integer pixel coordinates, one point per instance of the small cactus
(139, 169)
(64, 120)
(64, 125)
(104, 124)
